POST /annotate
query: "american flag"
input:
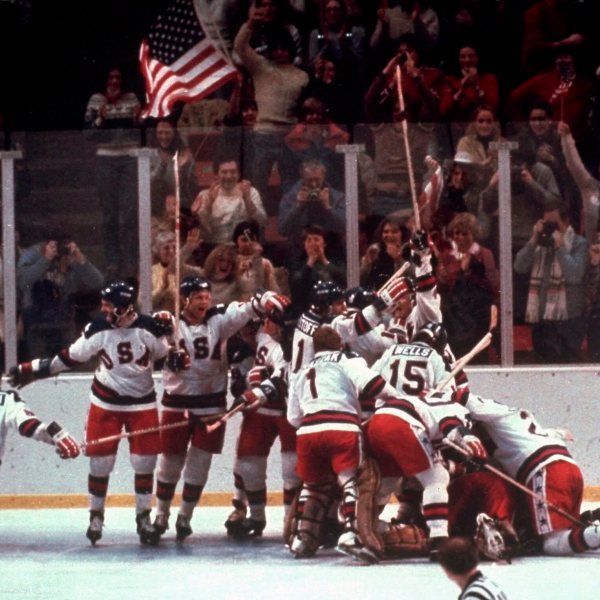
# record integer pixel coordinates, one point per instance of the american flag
(179, 62)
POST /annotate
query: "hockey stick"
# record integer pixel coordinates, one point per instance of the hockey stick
(515, 483)
(409, 164)
(177, 248)
(460, 364)
(129, 434)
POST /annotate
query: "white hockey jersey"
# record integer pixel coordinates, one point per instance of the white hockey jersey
(15, 414)
(327, 392)
(521, 444)
(123, 377)
(270, 356)
(202, 388)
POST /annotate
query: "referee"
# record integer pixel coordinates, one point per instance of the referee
(458, 557)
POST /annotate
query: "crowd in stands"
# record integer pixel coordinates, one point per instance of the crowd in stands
(419, 83)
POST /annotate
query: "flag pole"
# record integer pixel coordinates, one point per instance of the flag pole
(177, 247)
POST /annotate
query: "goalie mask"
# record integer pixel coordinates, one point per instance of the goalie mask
(495, 540)
(121, 298)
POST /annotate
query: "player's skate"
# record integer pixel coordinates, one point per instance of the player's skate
(250, 528)
(350, 545)
(161, 523)
(304, 545)
(94, 531)
(589, 516)
(235, 520)
(149, 535)
(183, 527)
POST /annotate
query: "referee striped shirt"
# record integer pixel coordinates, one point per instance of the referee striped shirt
(480, 587)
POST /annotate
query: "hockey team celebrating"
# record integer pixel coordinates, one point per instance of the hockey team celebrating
(370, 406)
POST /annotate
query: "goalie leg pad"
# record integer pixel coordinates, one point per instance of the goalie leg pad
(367, 511)
(310, 510)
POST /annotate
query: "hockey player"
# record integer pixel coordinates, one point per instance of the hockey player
(122, 397)
(195, 389)
(538, 458)
(15, 414)
(324, 406)
(261, 426)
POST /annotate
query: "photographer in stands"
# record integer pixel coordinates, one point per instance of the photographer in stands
(556, 259)
(53, 278)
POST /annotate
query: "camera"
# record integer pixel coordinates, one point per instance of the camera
(313, 195)
(545, 236)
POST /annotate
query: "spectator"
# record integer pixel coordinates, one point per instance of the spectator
(401, 17)
(459, 559)
(419, 88)
(313, 266)
(465, 89)
(221, 270)
(275, 16)
(164, 286)
(162, 171)
(113, 117)
(341, 42)
(254, 271)
(52, 277)
(555, 258)
(469, 285)
(548, 26)
(384, 257)
(237, 137)
(314, 137)
(227, 201)
(311, 201)
(570, 93)
(540, 137)
(278, 85)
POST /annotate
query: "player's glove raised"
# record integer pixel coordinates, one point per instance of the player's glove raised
(391, 292)
(177, 360)
(469, 442)
(163, 321)
(66, 445)
(266, 301)
(24, 373)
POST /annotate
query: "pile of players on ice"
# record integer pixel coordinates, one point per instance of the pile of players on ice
(368, 403)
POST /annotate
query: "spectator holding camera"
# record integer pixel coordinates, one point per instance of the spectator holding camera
(556, 259)
(51, 277)
(311, 200)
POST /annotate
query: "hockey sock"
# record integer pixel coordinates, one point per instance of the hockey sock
(97, 488)
(143, 491)
(257, 501)
(190, 496)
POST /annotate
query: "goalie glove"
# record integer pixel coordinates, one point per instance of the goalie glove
(178, 360)
(66, 445)
(265, 301)
(24, 373)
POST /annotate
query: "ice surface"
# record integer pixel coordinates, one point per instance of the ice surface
(44, 554)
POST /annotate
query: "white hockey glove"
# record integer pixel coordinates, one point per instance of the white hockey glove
(66, 445)
(469, 442)
(389, 293)
(266, 301)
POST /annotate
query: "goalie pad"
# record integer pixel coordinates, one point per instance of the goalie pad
(368, 479)
(307, 513)
(401, 540)
(495, 540)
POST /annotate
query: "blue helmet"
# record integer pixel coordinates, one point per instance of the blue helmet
(120, 294)
(325, 293)
(359, 297)
(433, 334)
(193, 284)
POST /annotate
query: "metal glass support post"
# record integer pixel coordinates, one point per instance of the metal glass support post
(350, 152)
(505, 250)
(143, 156)
(9, 258)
